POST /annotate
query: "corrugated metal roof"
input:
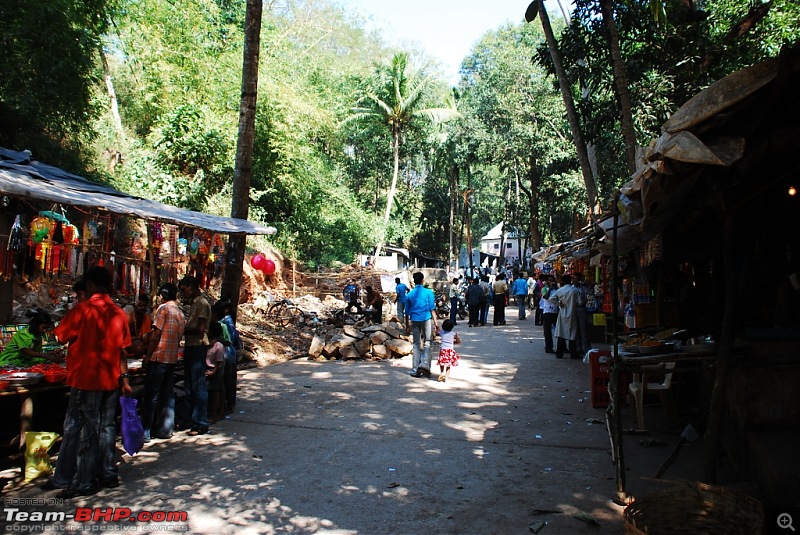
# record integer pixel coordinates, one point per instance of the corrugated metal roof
(21, 176)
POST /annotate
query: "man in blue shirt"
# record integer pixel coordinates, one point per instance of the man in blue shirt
(520, 291)
(401, 290)
(420, 314)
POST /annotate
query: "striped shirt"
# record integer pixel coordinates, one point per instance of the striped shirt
(169, 319)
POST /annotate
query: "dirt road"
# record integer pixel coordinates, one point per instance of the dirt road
(363, 448)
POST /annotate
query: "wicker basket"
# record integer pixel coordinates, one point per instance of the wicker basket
(695, 508)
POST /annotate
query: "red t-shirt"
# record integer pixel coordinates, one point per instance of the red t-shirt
(97, 331)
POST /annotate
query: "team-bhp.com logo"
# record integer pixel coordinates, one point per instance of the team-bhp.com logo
(123, 519)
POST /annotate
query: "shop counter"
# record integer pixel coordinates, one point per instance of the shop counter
(30, 400)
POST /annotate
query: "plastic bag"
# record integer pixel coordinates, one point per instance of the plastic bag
(132, 431)
(37, 456)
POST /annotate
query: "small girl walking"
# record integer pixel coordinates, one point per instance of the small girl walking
(447, 355)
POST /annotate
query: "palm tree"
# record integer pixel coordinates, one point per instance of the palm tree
(398, 100)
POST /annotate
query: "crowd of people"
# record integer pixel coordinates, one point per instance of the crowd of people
(101, 337)
(560, 309)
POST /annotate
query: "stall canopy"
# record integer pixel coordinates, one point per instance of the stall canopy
(21, 176)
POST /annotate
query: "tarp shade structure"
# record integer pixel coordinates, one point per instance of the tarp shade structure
(20, 176)
(733, 138)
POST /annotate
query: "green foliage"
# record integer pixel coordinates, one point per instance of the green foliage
(188, 144)
(322, 173)
(517, 126)
(144, 176)
(666, 63)
(48, 57)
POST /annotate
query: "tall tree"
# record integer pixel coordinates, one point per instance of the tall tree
(535, 8)
(240, 204)
(396, 101)
(620, 85)
(49, 57)
(515, 123)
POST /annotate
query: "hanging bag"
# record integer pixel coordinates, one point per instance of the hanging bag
(132, 430)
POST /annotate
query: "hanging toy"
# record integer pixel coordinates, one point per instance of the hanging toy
(70, 234)
(58, 234)
(217, 245)
(165, 249)
(138, 247)
(40, 229)
(16, 238)
(183, 245)
(194, 247)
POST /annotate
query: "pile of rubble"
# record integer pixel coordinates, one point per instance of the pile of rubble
(362, 341)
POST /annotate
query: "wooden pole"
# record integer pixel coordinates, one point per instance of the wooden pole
(151, 257)
(613, 414)
(711, 441)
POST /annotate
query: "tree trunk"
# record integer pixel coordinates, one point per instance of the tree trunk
(112, 97)
(620, 86)
(453, 179)
(723, 361)
(537, 7)
(392, 189)
(533, 205)
(243, 172)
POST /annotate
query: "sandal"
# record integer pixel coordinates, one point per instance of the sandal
(442, 378)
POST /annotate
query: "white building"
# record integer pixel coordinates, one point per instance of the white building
(494, 240)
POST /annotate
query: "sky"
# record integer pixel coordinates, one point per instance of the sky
(445, 29)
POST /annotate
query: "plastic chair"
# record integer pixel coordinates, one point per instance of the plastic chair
(641, 386)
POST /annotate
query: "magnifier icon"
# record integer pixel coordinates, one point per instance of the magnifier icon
(785, 521)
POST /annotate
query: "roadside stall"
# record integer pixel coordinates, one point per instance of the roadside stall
(700, 269)
(55, 225)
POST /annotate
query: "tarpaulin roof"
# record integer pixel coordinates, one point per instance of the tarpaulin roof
(21, 176)
(740, 129)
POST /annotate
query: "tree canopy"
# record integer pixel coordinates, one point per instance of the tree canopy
(333, 181)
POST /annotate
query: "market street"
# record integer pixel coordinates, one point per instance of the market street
(361, 447)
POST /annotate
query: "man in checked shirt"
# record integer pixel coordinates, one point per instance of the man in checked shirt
(158, 399)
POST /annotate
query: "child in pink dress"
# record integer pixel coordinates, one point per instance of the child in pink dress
(447, 355)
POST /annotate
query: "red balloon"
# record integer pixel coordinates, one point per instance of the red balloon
(269, 266)
(258, 261)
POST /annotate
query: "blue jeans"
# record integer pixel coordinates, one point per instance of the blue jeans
(90, 434)
(522, 304)
(67, 462)
(421, 332)
(158, 400)
(454, 310)
(194, 359)
(401, 309)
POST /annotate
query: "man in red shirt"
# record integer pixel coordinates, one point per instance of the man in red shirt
(97, 370)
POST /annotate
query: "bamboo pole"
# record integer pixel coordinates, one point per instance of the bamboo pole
(151, 257)
(613, 414)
